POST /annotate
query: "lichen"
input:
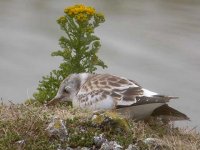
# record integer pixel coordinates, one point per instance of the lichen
(28, 123)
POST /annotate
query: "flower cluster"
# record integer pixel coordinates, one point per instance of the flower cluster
(79, 48)
(80, 12)
(62, 20)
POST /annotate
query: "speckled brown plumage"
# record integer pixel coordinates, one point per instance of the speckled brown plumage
(105, 91)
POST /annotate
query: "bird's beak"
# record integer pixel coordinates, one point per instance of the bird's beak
(53, 102)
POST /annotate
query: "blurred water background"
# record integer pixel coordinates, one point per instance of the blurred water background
(155, 42)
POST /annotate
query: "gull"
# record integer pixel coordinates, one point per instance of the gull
(100, 92)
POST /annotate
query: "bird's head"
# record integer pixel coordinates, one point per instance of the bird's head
(69, 88)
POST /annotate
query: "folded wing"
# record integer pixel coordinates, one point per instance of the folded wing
(125, 92)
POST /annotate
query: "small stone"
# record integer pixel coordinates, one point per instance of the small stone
(94, 116)
(20, 142)
(132, 147)
(69, 148)
(153, 141)
(85, 148)
(112, 145)
(156, 143)
(56, 128)
(99, 140)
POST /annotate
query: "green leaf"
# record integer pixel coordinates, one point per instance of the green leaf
(79, 47)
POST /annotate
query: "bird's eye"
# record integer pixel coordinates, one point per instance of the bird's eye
(66, 91)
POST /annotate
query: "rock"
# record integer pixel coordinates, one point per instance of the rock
(156, 143)
(56, 128)
(69, 148)
(85, 148)
(132, 147)
(20, 144)
(153, 141)
(112, 145)
(99, 140)
(112, 120)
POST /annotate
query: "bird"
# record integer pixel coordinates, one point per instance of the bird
(101, 92)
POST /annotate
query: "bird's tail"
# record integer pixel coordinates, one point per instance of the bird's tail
(166, 98)
(167, 113)
(154, 99)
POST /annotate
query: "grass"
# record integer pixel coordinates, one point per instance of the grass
(23, 127)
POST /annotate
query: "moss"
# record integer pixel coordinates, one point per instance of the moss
(111, 125)
(81, 132)
(28, 123)
(83, 139)
(111, 121)
(114, 127)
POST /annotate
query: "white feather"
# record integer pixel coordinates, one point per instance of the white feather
(125, 103)
(104, 104)
(107, 103)
(83, 77)
(140, 111)
(148, 93)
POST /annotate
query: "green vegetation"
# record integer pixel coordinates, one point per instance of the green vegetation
(26, 126)
(23, 127)
(79, 49)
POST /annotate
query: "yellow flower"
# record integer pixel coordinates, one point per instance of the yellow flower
(81, 17)
(90, 10)
(62, 20)
(83, 13)
(77, 9)
(99, 14)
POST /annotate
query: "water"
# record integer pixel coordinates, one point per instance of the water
(154, 42)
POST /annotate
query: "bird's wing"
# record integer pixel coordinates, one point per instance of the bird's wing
(125, 92)
(106, 82)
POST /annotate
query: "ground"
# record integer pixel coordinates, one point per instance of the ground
(25, 126)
